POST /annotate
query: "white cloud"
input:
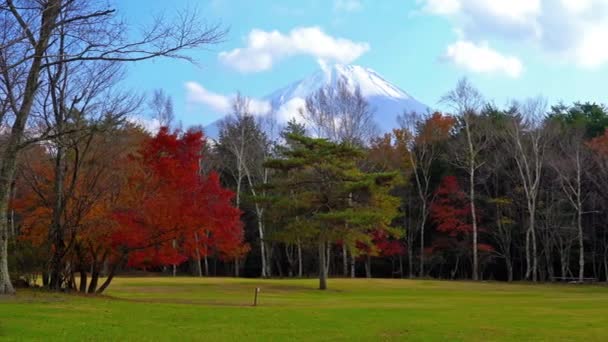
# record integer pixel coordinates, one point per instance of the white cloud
(150, 125)
(482, 59)
(266, 48)
(347, 5)
(572, 30)
(291, 110)
(441, 7)
(197, 94)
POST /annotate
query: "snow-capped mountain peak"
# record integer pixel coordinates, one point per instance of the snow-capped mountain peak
(369, 82)
(386, 99)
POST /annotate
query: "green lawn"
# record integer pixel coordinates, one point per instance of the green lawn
(186, 309)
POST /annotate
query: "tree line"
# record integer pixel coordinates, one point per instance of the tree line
(478, 191)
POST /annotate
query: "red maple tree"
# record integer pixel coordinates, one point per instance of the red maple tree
(170, 212)
(451, 214)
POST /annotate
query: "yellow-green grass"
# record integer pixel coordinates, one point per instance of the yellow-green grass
(217, 309)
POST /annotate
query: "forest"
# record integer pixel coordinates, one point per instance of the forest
(480, 191)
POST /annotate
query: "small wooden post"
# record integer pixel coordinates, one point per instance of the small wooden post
(255, 296)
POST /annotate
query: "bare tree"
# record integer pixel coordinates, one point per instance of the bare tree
(161, 108)
(32, 43)
(568, 164)
(466, 101)
(245, 146)
(340, 114)
(528, 140)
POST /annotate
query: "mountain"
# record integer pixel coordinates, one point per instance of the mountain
(386, 99)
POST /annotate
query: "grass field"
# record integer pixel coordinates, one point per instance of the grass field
(186, 309)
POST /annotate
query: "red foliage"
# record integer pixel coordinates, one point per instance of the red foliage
(381, 245)
(451, 210)
(168, 207)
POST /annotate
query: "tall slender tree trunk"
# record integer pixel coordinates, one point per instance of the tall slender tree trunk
(474, 223)
(581, 245)
(528, 259)
(533, 237)
(422, 224)
(262, 242)
(327, 256)
(56, 232)
(509, 269)
(410, 262)
(174, 271)
(322, 266)
(368, 267)
(206, 266)
(353, 264)
(198, 256)
(299, 259)
(344, 261)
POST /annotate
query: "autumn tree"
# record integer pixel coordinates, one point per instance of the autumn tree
(31, 42)
(88, 191)
(167, 201)
(451, 213)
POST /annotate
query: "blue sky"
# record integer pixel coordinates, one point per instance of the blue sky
(510, 49)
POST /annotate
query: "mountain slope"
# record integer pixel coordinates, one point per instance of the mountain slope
(386, 99)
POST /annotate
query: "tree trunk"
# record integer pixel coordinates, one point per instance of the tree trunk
(9, 156)
(198, 256)
(83, 281)
(605, 266)
(422, 224)
(56, 231)
(206, 266)
(94, 278)
(262, 243)
(112, 273)
(410, 261)
(581, 247)
(353, 264)
(322, 267)
(344, 261)
(368, 267)
(299, 259)
(534, 250)
(509, 269)
(6, 287)
(327, 257)
(474, 222)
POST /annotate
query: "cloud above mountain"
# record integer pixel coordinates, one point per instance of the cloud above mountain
(570, 31)
(480, 58)
(265, 48)
(196, 94)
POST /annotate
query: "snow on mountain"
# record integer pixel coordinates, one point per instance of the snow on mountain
(386, 99)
